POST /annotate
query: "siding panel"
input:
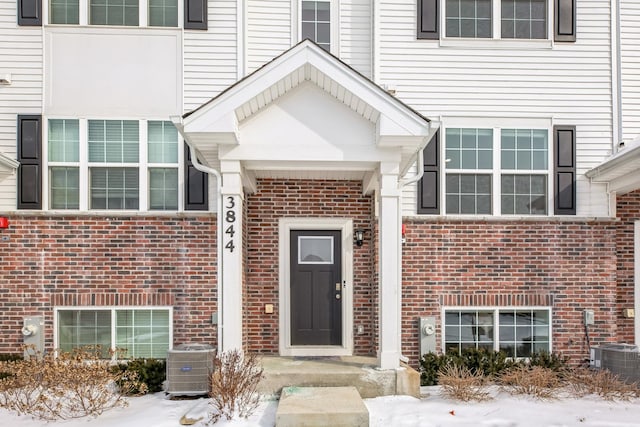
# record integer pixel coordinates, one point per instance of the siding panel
(210, 57)
(20, 56)
(630, 70)
(566, 82)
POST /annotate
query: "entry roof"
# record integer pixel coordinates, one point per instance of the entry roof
(308, 77)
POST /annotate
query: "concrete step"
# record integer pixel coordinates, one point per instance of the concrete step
(357, 371)
(320, 407)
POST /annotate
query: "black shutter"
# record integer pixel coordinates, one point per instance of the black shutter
(428, 20)
(30, 12)
(429, 185)
(564, 153)
(196, 186)
(564, 20)
(30, 158)
(195, 14)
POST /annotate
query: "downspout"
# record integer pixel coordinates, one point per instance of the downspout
(177, 122)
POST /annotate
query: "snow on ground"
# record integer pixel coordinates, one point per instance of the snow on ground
(393, 411)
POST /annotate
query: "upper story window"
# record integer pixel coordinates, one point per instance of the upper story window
(519, 19)
(129, 165)
(159, 13)
(497, 171)
(316, 22)
(517, 169)
(497, 19)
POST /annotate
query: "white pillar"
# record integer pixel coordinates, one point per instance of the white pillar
(390, 265)
(232, 250)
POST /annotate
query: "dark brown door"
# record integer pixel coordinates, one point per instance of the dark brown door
(316, 287)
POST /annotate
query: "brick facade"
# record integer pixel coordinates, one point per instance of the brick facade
(276, 199)
(50, 261)
(628, 211)
(567, 265)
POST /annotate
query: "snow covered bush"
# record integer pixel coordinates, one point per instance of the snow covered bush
(234, 384)
(69, 385)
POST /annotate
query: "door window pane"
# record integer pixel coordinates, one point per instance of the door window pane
(315, 250)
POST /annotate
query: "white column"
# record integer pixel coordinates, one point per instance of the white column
(390, 264)
(232, 250)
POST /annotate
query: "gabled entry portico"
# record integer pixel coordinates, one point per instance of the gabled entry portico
(306, 116)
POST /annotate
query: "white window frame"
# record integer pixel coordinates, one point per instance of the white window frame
(112, 310)
(296, 24)
(496, 39)
(142, 165)
(497, 124)
(496, 321)
(84, 15)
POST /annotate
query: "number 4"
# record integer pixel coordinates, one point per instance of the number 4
(230, 231)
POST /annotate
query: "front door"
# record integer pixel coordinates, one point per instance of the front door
(316, 287)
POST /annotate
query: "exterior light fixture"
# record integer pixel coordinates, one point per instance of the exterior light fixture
(4, 222)
(358, 237)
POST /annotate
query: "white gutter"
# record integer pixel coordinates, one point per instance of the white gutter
(616, 75)
(9, 162)
(177, 122)
(433, 128)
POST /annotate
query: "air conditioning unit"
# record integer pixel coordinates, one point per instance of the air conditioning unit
(189, 367)
(621, 359)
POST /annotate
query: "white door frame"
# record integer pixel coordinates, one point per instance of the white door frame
(344, 225)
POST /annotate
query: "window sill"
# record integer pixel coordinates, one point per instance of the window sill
(506, 44)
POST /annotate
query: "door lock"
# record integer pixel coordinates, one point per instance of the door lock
(337, 296)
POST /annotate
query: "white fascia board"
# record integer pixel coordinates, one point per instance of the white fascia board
(617, 165)
(8, 163)
(225, 124)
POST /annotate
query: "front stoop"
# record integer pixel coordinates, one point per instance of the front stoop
(360, 372)
(321, 406)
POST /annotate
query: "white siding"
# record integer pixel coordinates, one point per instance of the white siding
(269, 31)
(569, 83)
(210, 57)
(20, 56)
(630, 67)
(355, 34)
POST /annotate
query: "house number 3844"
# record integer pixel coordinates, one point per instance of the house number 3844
(229, 223)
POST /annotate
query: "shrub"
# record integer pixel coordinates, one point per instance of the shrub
(552, 361)
(150, 374)
(234, 383)
(461, 383)
(490, 363)
(72, 385)
(8, 357)
(583, 381)
(537, 381)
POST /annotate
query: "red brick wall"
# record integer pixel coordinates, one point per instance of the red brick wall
(276, 199)
(49, 261)
(628, 211)
(569, 265)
